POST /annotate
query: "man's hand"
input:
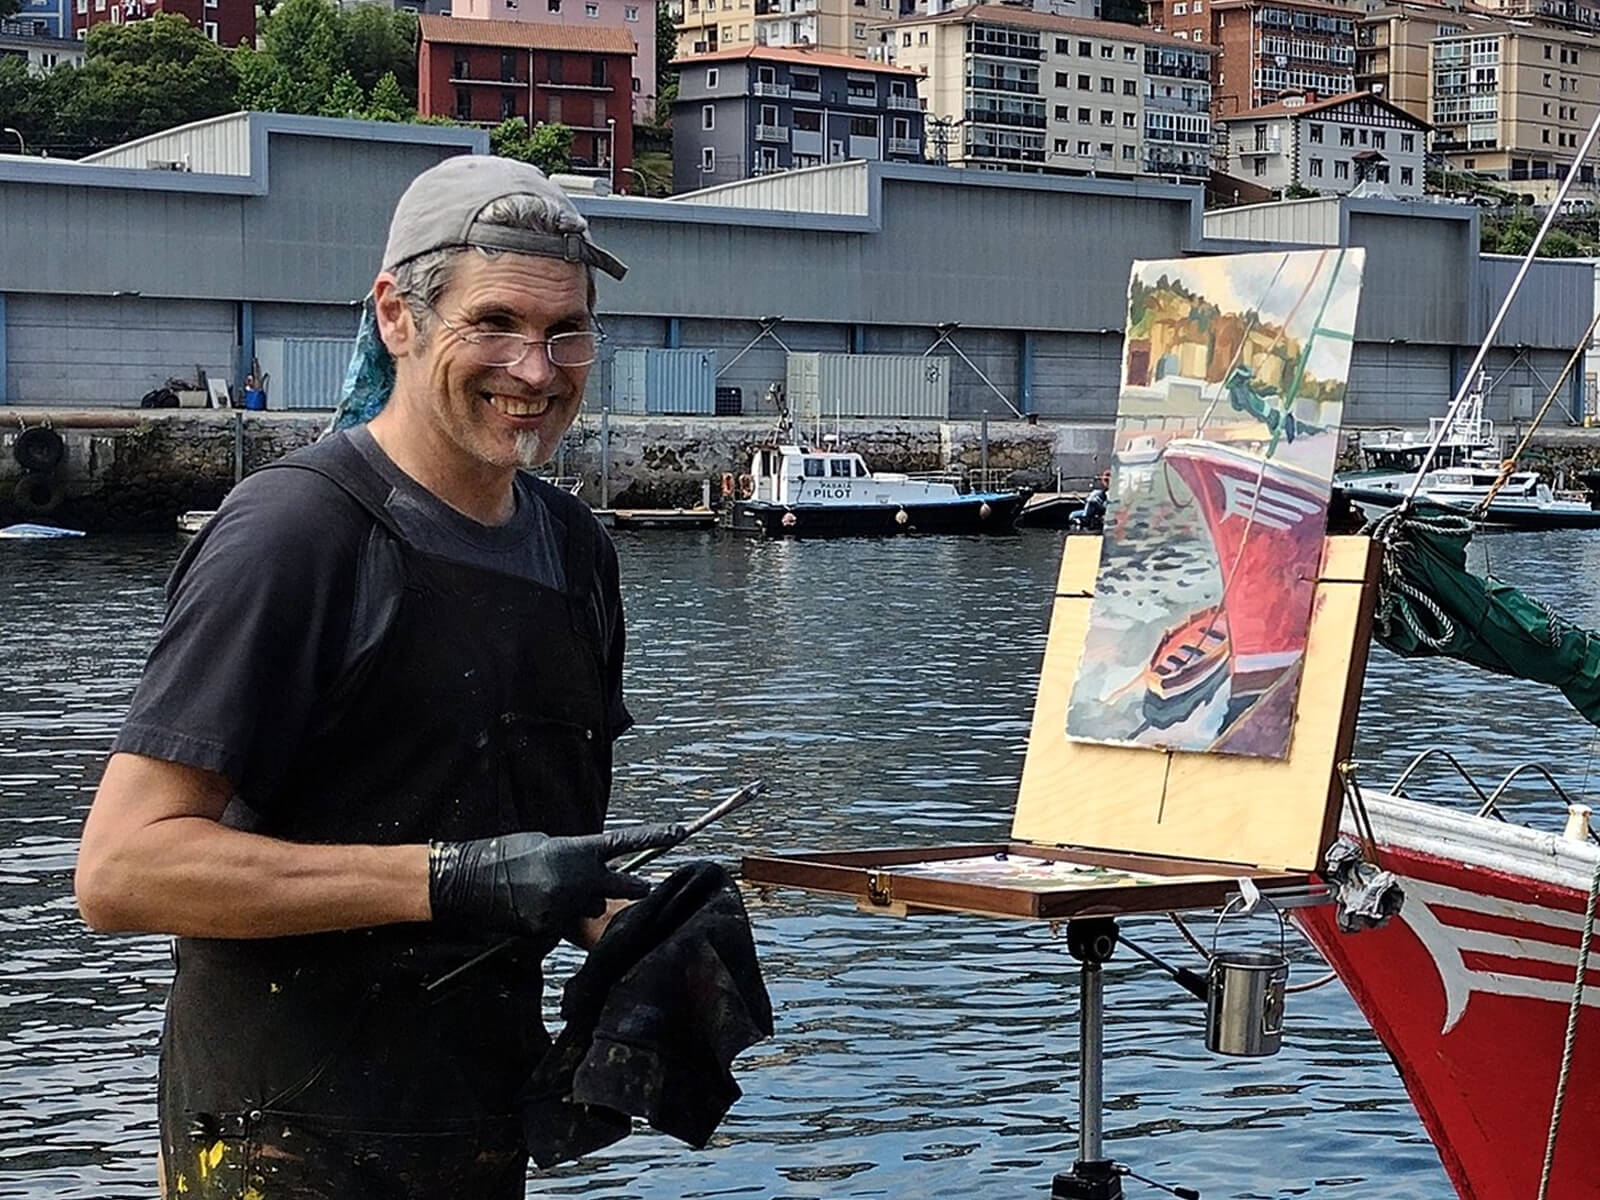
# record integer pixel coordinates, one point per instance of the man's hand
(589, 930)
(536, 885)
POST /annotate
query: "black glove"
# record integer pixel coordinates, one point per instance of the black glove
(531, 884)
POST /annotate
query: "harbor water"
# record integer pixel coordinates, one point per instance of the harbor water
(883, 689)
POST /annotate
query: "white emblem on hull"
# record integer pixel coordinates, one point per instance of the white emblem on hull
(1447, 945)
(1265, 504)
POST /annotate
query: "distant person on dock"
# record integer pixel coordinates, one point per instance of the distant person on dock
(365, 775)
(1092, 515)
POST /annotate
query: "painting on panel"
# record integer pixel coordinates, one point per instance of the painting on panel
(1233, 384)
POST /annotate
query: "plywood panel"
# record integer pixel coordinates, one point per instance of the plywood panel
(1213, 808)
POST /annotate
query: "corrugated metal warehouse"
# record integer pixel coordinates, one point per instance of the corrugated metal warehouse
(200, 247)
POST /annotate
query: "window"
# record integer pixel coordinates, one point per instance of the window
(1347, 136)
(1108, 51)
(807, 120)
(1063, 79)
(708, 116)
(1063, 113)
(1378, 139)
(1061, 145)
(1085, 116)
(1261, 166)
(1130, 87)
(555, 6)
(1105, 149)
(922, 38)
(1130, 54)
(708, 159)
(508, 66)
(1108, 86)
(1406, 176)
(769, 114)
(463, 104)
(1547, 51)
(636, 86)
(83, 6)
(1544, 136)
(1130, 120)
(508, 105)
(1083, 149)
(905, 38)
(866, 127)
(630, 13)
(210, 28)
(1198, 35)
(1085, 49)
(711, 81)
(1180, 9)
(552, 108)
(1085, 84)
(809, 84)
(1341, 169)
(1547, 79)
(839, 467)
(591, 10)
(1314, 168)
(902, 128)
(460, 71)
(861, 29)
(1107, 117)
(1316, 134)
(1063, 46)
(553, 67)
(1408, 142)
(1127, 154)
(815, 468)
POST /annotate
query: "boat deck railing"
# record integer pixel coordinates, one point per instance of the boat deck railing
(967, 479)
(1489, 802)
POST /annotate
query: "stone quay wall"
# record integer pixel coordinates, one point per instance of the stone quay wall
(138, 469)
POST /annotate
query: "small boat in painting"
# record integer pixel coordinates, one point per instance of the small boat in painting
(1189, 664)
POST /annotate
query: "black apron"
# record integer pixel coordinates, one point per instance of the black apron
(325, 1065)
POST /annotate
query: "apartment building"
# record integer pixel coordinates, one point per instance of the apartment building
(39, 18)
(226, 22)
(1331, 145)
(1017, 90)
(1265, 47)
(41, 52)
(1393, 47)
(1514, 103)
(638, 17)
(485, 72)
(762, 109)
(848, 27)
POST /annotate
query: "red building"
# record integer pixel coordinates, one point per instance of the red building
(226, 22)
(577, 76)
(1269, 47)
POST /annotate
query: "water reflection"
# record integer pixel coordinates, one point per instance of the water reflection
(884, 690)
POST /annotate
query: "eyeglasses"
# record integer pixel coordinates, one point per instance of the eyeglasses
(574, 349)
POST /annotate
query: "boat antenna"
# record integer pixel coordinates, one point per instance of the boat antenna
(1499, 317)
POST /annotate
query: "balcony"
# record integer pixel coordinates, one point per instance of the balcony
(910, 147)
(1007, 120)
(1262, 147)
(1156, 165)
(1006, 153)
(772, 133)
(996, 83)
(862, 101)
(905, 103)
(780, 90)
(803, 92)
(1001, 50)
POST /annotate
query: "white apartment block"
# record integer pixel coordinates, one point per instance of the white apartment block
(1332, 145)
(1017, 90)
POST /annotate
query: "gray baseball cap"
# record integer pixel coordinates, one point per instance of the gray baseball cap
(440, 211)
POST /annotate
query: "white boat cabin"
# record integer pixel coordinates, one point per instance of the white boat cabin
(790, 475)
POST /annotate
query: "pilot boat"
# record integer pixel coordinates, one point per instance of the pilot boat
(796, 491)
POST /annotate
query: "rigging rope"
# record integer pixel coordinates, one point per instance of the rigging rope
(1395, 590)
(1574, 1009)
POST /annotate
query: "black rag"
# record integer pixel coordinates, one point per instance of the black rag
(668, 998)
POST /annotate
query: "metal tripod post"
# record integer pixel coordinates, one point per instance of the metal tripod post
(1090, 940)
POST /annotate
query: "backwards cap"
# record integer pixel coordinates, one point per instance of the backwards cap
(442, 207)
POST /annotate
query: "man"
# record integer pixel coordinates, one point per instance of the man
(1093, 513)
(372, 745)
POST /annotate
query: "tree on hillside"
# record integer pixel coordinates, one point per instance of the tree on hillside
(380, 41)
(344, 99)
(548, 146)
(388, 102)
(666, 48)
(306, 44)
(140, 78)
(9, 7)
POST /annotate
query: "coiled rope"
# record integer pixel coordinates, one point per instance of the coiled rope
(1398, 598)
(1574, 1009)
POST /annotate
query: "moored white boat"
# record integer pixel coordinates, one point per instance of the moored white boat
(795, 491)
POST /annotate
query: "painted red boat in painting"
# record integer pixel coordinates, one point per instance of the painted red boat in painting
(1266, 519)
(1470, 987)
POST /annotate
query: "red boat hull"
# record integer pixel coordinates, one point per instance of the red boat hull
(1469, 988)
(1266, 520)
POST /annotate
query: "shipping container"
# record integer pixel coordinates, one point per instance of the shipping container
(304, 372)
(823, 386)
(680, 382)
(627, 381)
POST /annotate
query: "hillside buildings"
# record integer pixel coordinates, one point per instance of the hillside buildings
(1017, 90)
(755, 111)
(848, 27)
(226, 22)
(1332, 145)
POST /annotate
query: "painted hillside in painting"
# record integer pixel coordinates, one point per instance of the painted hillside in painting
(1233, 384)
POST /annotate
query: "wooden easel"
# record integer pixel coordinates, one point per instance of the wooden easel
(1103, 831)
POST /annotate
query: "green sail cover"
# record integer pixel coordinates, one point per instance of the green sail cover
(1430, 604)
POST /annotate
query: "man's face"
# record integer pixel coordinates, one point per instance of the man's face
(496, 416)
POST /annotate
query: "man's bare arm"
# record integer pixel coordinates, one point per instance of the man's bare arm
(156, 859)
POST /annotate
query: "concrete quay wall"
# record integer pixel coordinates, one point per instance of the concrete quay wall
(135, 469)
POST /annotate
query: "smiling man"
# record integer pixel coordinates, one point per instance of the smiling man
(373, 740)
